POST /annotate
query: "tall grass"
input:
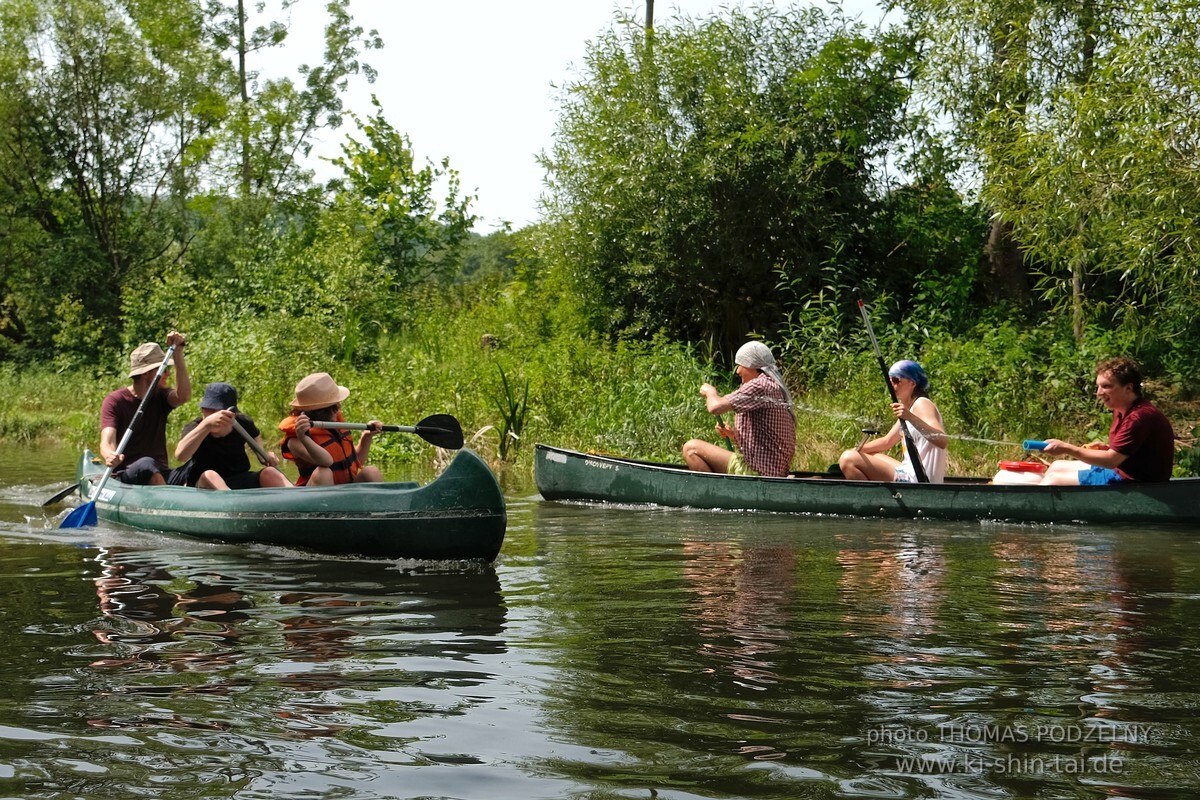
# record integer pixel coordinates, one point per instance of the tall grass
(508, 360)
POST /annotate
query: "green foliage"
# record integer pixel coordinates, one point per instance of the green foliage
(714, 157)
(512, 414)
(391, 201)
(495, 255)
(1076, 118)
(112, 115)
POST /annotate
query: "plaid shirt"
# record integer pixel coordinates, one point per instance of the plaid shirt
(764, 427)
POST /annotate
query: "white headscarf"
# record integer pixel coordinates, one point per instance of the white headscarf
(757, 355)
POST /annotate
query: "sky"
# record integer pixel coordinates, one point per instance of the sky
(473, 81)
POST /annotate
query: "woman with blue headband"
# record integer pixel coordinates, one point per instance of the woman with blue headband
(869, 462)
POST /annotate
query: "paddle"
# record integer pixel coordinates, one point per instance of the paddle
(61, 495)
(85, 515)
(909, 444)
(440, 430)
(724, 439)
(254, 445)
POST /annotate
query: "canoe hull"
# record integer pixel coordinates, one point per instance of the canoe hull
(459, 515)
(570, 475)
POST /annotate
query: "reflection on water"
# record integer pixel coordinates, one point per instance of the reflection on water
(873, 658)
(228, 668)
(741, 602)
(609, 653)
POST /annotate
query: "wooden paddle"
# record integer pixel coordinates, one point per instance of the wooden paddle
(85, 515)
(909, 444)
(440, 430)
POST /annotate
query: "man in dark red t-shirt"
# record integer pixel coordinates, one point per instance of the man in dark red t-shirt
(144, 460)
(1141, 442)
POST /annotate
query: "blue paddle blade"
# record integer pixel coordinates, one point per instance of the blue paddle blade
(83, 516)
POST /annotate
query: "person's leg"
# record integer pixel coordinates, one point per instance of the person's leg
(211, 479)
(321, 476)
(369, 474)
(141, 472)
(859, 466)
(702, 456)
(269, 477)
(1064, 472)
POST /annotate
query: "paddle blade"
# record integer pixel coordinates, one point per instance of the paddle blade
(83, 516)
(440, 430)
(69, 490)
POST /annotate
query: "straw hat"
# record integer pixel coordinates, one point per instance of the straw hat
(318, 391)
(146, 358)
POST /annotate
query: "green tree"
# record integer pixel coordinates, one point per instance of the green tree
(685, 179)
(121, 124)
(1079, 118)
(272, 129)
(101, 105)
(414, 238)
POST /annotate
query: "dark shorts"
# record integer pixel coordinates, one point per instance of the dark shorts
(142, 471)
(240, 480)
(243, 480)
(1099, 476)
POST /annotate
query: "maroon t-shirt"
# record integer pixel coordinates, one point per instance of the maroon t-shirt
(1144, 435)
(150, 437)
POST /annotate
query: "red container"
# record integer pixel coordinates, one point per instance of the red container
(1023, 466)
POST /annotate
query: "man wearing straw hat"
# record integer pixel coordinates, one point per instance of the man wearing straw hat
(144, 460)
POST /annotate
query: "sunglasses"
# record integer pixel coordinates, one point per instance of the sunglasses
(896, 379)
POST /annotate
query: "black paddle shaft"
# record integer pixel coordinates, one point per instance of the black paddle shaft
(909, 444)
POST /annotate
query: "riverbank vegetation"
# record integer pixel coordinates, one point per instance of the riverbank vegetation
(1009, 222)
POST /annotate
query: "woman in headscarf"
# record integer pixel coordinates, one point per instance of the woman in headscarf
(764, 426)
(869, 462)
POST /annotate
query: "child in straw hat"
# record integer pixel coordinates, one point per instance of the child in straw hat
(325, 456)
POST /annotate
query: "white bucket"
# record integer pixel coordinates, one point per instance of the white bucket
(1015, 473)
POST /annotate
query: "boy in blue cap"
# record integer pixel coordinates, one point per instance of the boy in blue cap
(218, 459)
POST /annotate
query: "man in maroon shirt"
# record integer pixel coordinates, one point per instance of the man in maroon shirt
(1141, 442)
(144, 460)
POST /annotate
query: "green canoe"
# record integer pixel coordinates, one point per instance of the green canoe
(458, 515)
(570, 475)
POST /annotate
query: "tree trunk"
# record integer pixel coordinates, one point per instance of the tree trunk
(242, 84)
(1005, 278)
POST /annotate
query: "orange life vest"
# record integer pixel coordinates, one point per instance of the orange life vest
(339, 444)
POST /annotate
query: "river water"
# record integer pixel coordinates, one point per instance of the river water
(608, 653)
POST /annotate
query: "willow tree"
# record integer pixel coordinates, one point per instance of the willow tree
(1080, 118)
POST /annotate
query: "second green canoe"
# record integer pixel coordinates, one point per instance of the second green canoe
(563, 474)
